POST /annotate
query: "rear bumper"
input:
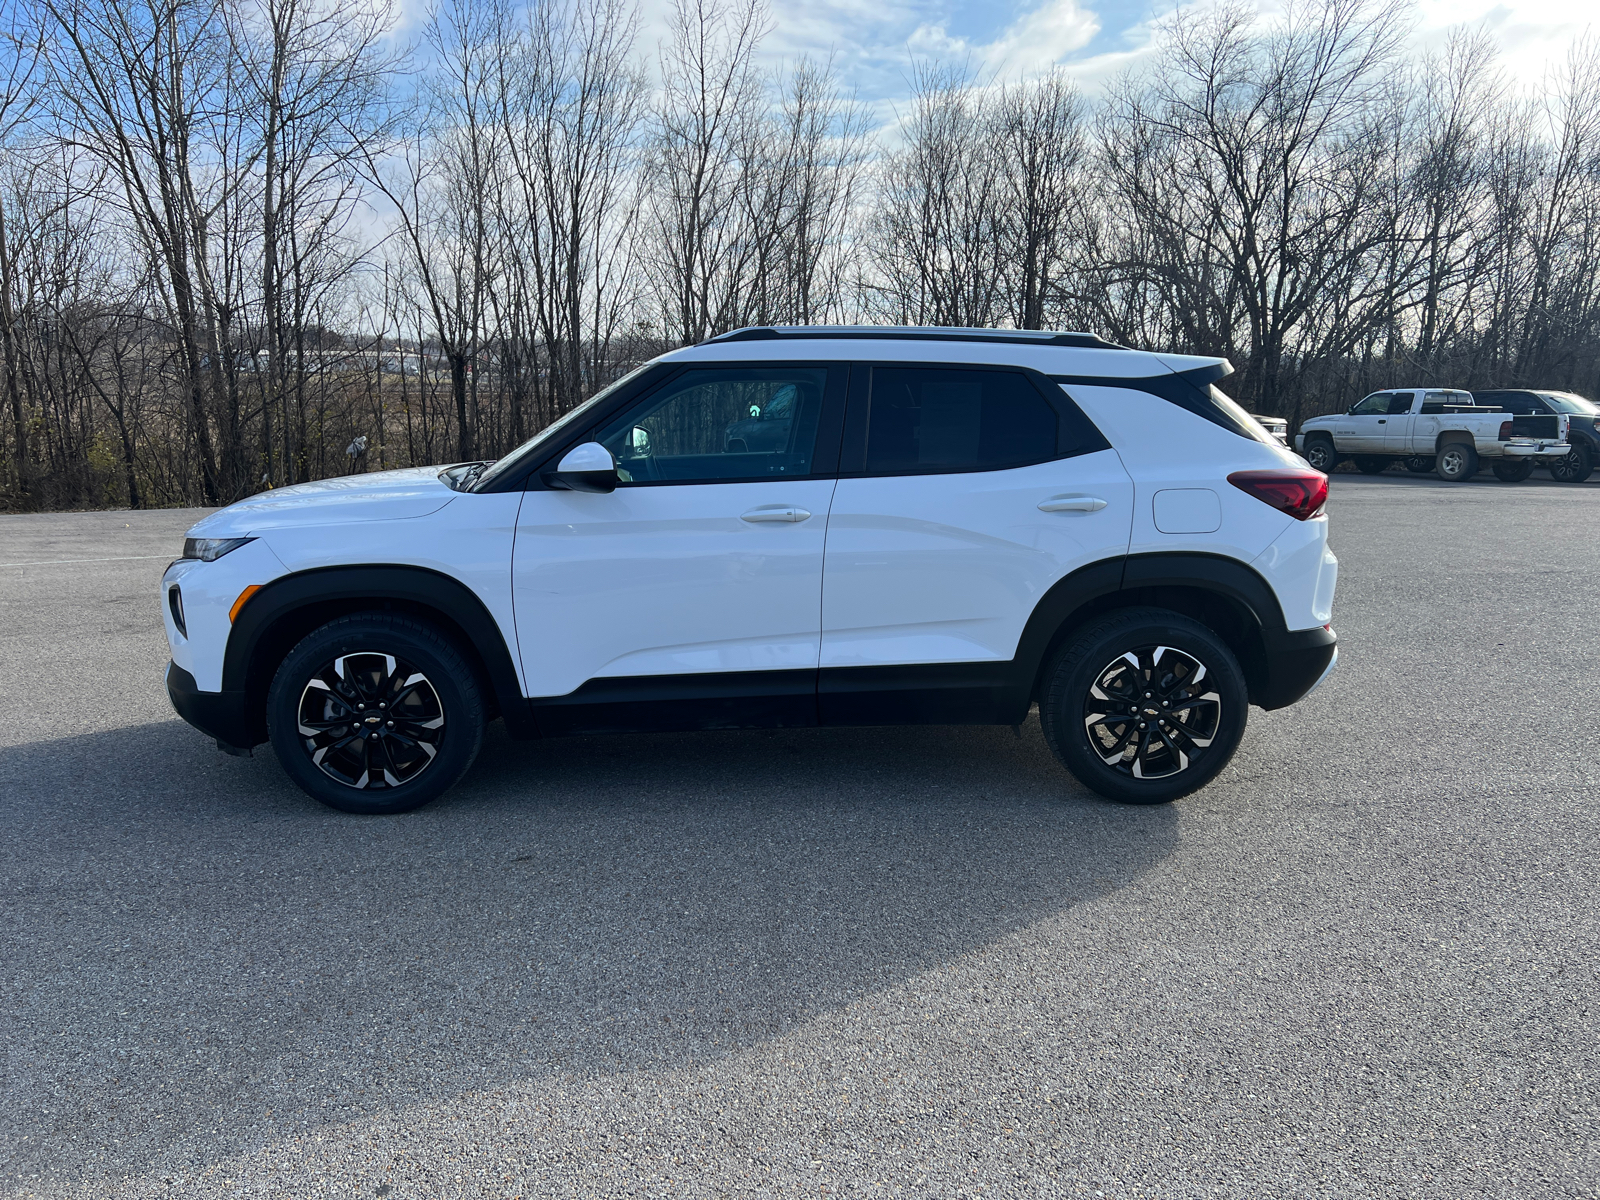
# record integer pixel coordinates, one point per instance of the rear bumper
(1535, 450)
(1294, 664)
(223, 716)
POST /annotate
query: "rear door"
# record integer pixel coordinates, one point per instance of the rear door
(1397, 424)
(965, 493)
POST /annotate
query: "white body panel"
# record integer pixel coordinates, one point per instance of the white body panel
(1165, 447)
(948, 568)
(209, 590)
(1303, 572)
(398, 518)
(666, 580)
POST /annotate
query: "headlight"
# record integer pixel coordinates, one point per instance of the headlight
(211, 549)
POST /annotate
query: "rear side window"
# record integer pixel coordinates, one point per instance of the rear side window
(1400, 402)
(941, 419)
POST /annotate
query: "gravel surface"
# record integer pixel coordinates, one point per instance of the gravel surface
(915, 962)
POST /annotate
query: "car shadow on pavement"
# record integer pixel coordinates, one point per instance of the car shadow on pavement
(195, 949)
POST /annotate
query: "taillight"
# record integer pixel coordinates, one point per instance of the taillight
(1505, 431)
(1301, 494)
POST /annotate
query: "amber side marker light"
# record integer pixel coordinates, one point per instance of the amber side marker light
(1300, 492)
(244, 596)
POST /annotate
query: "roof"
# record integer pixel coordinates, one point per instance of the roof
(916, 333)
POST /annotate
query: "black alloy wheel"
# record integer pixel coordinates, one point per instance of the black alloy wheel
(1573, 467)
(1144, 706)
(1420, 465)
(1369, 465)
(371, 720)
(1321, 455)
(375, 713)
(1513, 470)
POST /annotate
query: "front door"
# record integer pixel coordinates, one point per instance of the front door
(972, 491)
(701, 576)
(1361, 430)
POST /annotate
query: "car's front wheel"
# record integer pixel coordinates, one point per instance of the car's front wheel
(1420, 465)
(1321, 454)
(1144, 705)
(1371, 465)
(375, 713)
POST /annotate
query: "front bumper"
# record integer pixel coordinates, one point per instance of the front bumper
(222, 716)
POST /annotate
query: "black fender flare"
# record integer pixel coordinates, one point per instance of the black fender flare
(289, 607)
(1228, 593)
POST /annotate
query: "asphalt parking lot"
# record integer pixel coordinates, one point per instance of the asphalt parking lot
(874, 962)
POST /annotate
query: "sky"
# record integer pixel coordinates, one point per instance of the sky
(874, 42)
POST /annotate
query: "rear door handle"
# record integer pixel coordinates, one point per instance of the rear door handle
(786, 513)
(1072, 504)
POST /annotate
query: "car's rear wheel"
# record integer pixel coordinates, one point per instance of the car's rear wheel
(1573, 467)
(1144, 705)
(1513, 470)
(1419, 465)
(1321, 454)
(1457, 462)
(1369, 465)
(375, 713)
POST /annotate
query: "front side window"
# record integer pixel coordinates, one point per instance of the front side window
(932, 420)
(721, 424)
(1400, 402)
(1375, 405)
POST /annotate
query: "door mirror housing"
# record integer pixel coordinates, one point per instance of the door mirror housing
(585, 468)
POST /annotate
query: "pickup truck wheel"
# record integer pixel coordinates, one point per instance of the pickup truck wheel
(375, 713)
(1368, 465)
(1574, 467)
(1144, 706)
(1321, 454)
(1457, 462)
(1420, 466)
(1513, 470)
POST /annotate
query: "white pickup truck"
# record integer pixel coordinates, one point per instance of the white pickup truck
(1432, 429)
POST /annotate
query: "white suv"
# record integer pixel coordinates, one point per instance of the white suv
(784, 527)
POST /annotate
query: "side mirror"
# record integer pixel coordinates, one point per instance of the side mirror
(585, 468)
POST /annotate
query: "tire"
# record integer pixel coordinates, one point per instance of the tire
(1419, 465)
(374, 764)
(1321, 454)
(1513, 470)
(1092, 671)
(1369, 465)
(1457, 462)
(1575, 467)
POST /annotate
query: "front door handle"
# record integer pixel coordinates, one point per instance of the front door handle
(1072, 504)
(786, 513)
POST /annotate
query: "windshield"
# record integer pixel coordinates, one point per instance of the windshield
(1566, 402)
(530, 448)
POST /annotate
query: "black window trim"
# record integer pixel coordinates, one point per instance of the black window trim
(826, 454)
(1188, 390)
(853, 455)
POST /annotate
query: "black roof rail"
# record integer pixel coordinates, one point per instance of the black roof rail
(924, 333)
